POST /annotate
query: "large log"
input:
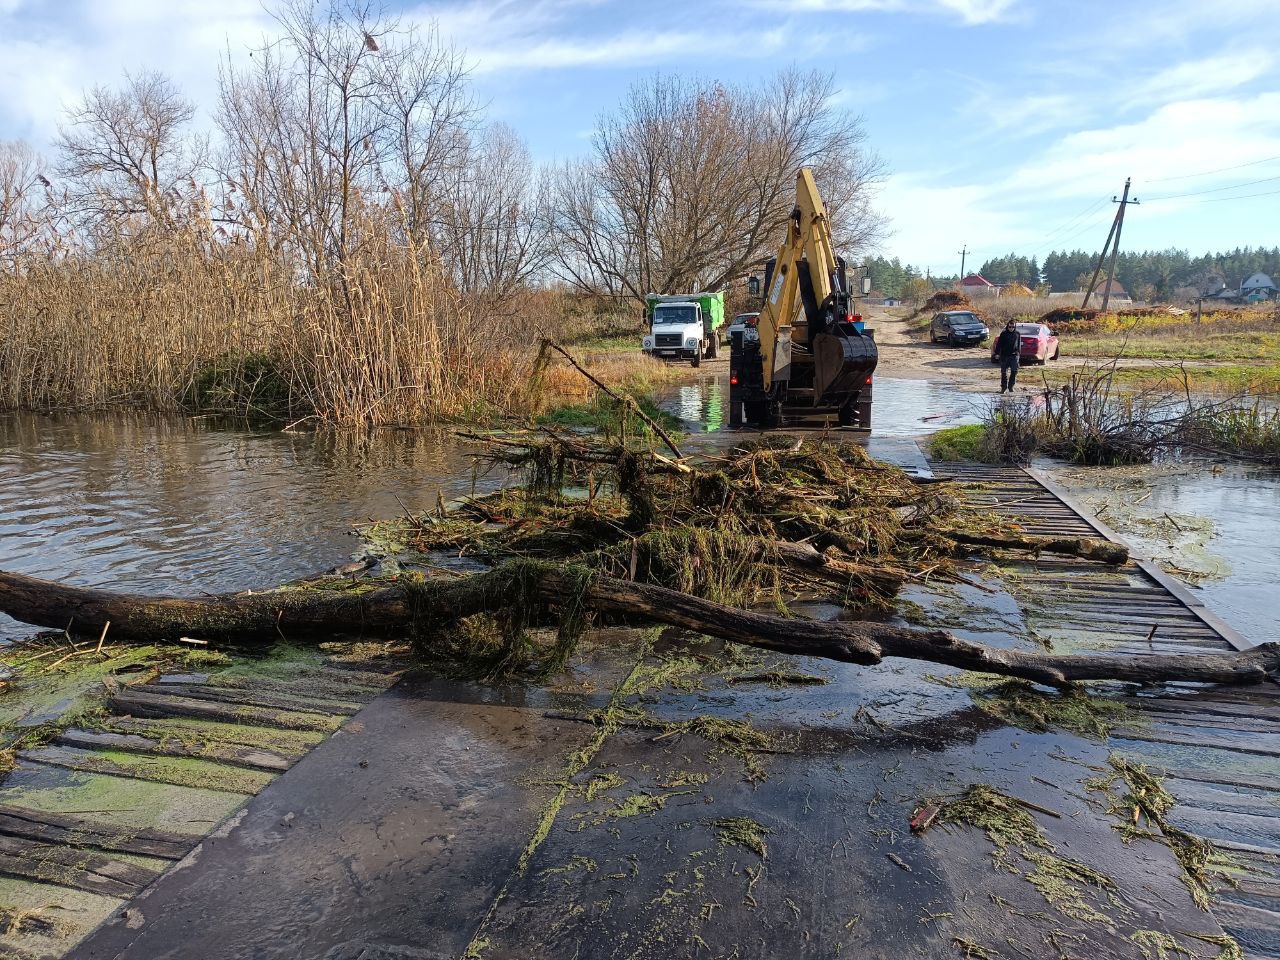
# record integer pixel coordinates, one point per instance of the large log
(297, 614)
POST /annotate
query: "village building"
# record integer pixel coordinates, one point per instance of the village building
(1257, 286)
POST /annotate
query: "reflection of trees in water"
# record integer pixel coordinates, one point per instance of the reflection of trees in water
(147, 502)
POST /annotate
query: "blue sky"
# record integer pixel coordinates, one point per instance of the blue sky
(1004, 124)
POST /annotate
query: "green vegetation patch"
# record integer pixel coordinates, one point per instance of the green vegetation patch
(1020, 704)
(251, 385)
(198, 734)
(1076, 890)
(960, 443)
(51, 678)
(743, 832)
(120, 801)
(732, 737)
(1138, 799)
(608, 416)
(180, 771)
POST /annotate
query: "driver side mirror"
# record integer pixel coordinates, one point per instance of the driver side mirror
(753, 286)
(866, 285)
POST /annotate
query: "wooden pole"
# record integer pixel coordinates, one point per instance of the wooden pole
(1115, 247)
(1102, 257)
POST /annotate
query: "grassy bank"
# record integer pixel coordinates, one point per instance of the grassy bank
(1097, 419)
(1226, 379)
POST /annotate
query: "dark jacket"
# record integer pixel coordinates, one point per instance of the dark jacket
(1009, 345)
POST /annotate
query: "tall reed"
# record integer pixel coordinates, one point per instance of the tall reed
(179, 316)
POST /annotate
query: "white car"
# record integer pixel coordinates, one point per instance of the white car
(745, 322)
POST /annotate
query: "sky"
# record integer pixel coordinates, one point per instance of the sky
(1004, 125)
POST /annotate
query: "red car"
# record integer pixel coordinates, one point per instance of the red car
(1039, 344)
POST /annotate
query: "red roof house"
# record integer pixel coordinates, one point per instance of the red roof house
(976, 280)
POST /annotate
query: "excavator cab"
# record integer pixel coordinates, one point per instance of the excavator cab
(813, 357)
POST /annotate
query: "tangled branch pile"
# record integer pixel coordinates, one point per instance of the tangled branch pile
(603, 530)
(771, 520)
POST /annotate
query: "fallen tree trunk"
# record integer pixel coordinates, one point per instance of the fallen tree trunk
(1087, 548)
(294, 614)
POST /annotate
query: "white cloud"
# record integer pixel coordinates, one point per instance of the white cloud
(932, 214)
(538, 36)
(1218, 73)
(50, 52)
(1176, 139)
(970, 12)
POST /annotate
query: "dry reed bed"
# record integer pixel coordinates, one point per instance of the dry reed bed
(176, 319)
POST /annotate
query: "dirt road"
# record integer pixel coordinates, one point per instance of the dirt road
(903, 354)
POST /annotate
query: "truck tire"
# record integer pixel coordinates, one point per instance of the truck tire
(697, 358)
(713, 348)
(849, 413)
(755, 412)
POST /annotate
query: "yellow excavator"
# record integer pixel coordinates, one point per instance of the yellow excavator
(809, 357)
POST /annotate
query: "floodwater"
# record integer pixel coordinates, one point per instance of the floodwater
(183, 505)
(169, 504)
(1216, 525)
(903, 408)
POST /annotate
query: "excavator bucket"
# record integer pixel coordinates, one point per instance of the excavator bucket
(842, 367)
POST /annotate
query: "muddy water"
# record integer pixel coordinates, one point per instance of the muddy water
(170, 504)
(903, 408)
(1217, 526)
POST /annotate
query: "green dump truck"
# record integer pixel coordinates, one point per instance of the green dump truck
(684, 326)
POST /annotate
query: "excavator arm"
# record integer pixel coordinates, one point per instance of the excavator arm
(810, 348)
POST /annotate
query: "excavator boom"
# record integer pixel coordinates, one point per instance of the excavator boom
(812, 354)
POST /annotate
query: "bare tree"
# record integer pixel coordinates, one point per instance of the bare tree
(347, 109)
(128, 152)
(430, 116)
(303, 126)
(491, 230)
(690, 183)
(24, 200)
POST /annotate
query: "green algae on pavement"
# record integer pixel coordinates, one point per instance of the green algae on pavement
(119, 801)
(1136, 796)
(1073, 888)
(1020, 703)
(179, 771)
(744, 832)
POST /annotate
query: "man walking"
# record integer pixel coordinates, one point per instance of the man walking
(1008, 352)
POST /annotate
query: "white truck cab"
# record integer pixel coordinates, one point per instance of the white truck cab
(681, 328)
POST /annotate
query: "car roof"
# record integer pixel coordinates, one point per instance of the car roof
(949, 313)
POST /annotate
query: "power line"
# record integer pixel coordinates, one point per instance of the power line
(1247, 196)
(1050, 237)
(1093, 222)
(1200, 193)
(1205, 173)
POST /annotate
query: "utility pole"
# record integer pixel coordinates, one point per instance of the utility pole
(964, 252)
(1117, 224)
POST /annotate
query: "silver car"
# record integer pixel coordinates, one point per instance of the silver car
(959, 328)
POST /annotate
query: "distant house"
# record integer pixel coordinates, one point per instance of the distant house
(1117, 292)
(1257, 287)
(976, 285)
(892, 302)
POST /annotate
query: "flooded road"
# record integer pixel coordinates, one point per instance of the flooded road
(1214, 525)
(148, 503)
(903, 408)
